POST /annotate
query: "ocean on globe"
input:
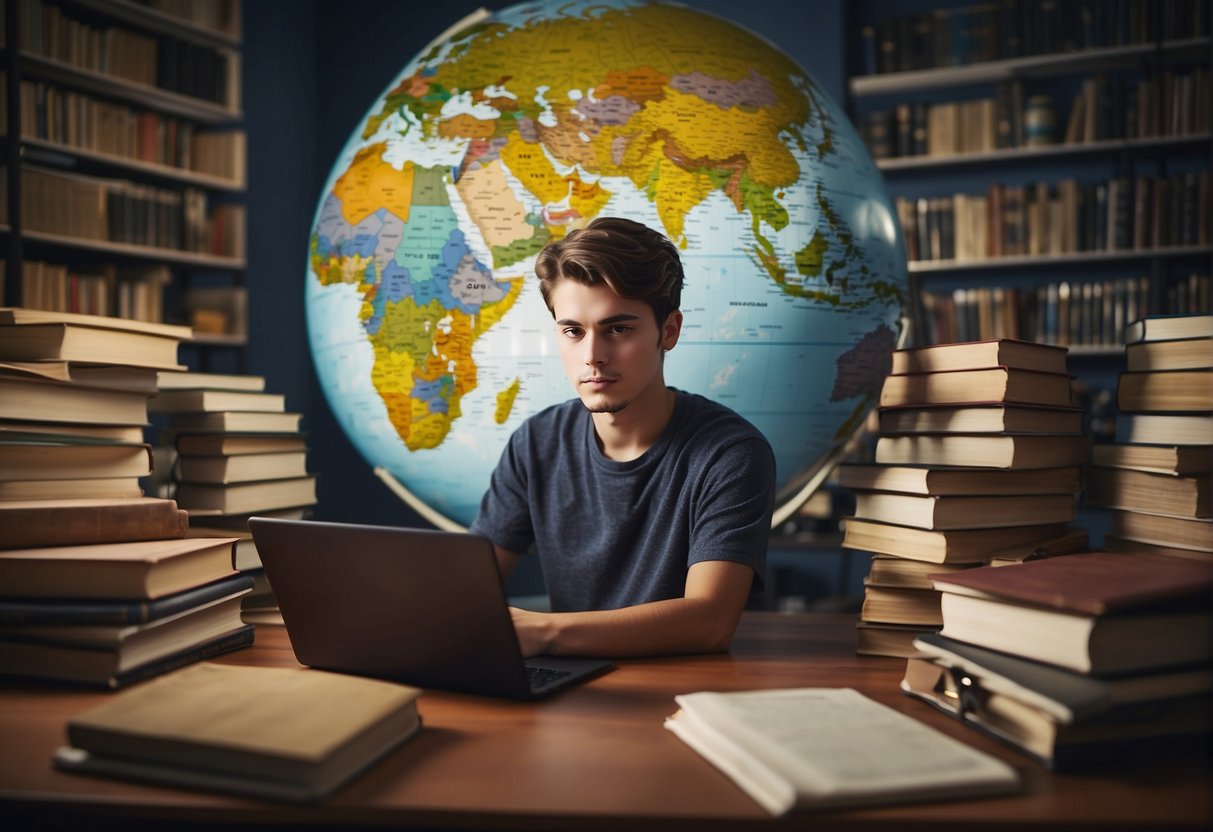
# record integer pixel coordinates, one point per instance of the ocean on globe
(425, 322)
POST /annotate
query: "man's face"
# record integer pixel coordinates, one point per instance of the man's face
(611, 347)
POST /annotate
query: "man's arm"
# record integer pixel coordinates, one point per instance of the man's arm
(702, 621)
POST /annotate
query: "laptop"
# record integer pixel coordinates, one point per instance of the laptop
(422, 607)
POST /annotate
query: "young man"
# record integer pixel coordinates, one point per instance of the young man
(649, 507)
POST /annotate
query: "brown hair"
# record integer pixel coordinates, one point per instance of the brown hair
(637, 262)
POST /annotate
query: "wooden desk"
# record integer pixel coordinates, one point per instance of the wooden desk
(593, 758)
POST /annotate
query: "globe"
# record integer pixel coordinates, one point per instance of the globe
(425, 323)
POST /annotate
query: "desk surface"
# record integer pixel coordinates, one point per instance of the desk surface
(593, 758)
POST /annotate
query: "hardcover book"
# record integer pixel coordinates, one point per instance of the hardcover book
(1002, 352)
(999, 384)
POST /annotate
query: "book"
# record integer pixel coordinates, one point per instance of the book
(893, 571)
(1098, 613)
(1164, 458)
(984, 451)
(1124, 488)
(237, 422)
(191, 380)
(951, 546)
(99, 654)
(211, 401)
(1060, 718)
(42, 400)
(246, 498)
(70, 342)
(1164, 530)
(1002, 352)
(1112, 543)
(107, 377)
(245, 558)
(57, 461)
(1165, 390)
(1168, 327)
(999, 384)
(64, 432)
(242, 468)
(24, 316)
(815, 748)
(993, 418)
(964, 512)
(130, 570)
(127, 488)
(237, 444)
(1186, 354)
(29, 611)
(909, 479)
(894, 640)
(31, 523)
(900, 605)
(285, 733)
(1165, 429)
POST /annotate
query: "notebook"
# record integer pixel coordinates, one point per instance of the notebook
(418, 606)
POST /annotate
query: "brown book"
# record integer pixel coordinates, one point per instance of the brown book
(235, 444)
(1124, 488)
(1002, 352)
(1168, 327)
(962, 512)
(102, 654)
(993, 418)
(22, 316)
(50, 461)
(244, 468)
(105, 376)
(1166, 429)
(41, 400)
(890, 571)
(97, 488)
(953, 546)
(245, 558)
(245, 498)
(210, 401)
(1187, 354)
(69, 342)
(135, 569)
(1166, 459)
(33, 523)
(900, 605)
(1119, 544)
(210, 381)
(1103, 612)
(895, 640)
(988, 451)
(1165, 390)
(1164, 530)
(998, 384)
(910, 479)
(236, 422)
(64, 432)
(286, 733)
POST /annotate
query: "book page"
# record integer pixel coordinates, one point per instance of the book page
(835, 745)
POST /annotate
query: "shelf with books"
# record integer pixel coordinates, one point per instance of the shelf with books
(1025, 217)
(125, 151)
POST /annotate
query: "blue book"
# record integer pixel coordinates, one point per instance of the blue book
(113, 613)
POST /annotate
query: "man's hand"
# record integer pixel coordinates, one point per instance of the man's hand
(533, 630)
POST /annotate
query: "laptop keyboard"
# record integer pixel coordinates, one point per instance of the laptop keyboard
(541, 677)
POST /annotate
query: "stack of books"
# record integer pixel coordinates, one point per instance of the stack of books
(1156, 476)
(1078, 660)
(978, 461)
(235, 452)
(98, 583)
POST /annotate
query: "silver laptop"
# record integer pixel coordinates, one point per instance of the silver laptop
(422, 607)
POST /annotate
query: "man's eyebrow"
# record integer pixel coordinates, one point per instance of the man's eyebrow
(611, 321)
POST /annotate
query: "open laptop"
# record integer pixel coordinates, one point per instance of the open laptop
(422, 607)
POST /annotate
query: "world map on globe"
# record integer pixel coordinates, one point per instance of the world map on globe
(427, 330)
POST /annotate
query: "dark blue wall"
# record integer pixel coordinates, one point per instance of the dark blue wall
(312, 68)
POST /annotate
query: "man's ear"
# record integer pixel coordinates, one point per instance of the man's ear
(671, 329)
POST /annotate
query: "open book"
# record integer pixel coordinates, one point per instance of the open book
(809, 748)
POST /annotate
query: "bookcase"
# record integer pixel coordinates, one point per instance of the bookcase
(123, 172)
(1050, 161)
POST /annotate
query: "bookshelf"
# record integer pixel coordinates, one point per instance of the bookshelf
(124, 163)
(1050, 161)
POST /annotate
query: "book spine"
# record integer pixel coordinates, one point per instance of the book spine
(234, 640)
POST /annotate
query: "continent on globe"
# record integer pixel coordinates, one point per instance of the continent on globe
(533, 120)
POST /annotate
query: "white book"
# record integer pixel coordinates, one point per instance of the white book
(830, 747)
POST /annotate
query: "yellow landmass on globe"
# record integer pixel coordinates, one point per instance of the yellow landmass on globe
(505, 401)
(371, 183)
(492, 205)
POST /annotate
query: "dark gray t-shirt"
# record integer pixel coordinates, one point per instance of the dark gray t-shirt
(614, 534)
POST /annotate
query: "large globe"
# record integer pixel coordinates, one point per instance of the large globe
(426, 326)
